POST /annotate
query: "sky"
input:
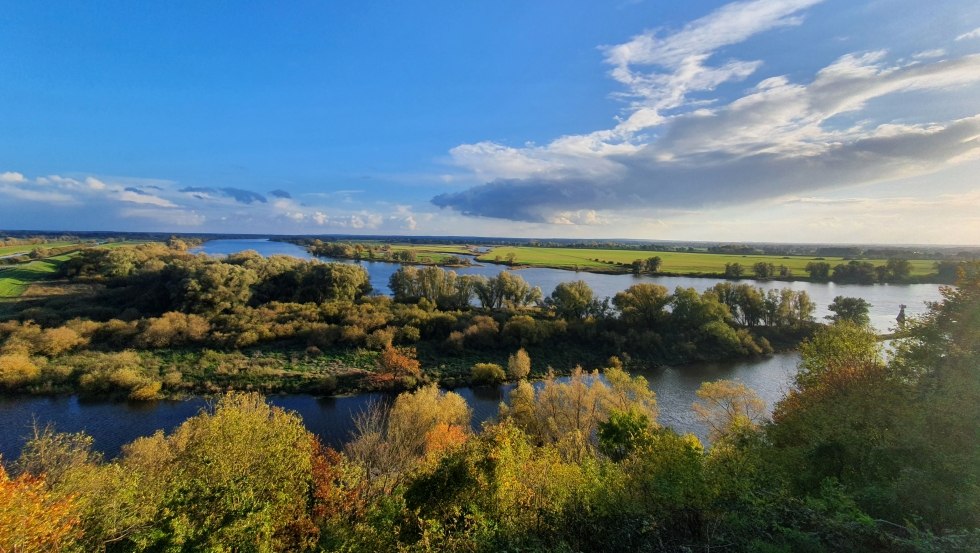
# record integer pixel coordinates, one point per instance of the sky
(812, 121)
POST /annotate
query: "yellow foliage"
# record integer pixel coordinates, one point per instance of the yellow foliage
(32, 519)
(17, 369)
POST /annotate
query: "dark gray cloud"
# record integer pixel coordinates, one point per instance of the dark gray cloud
(237, 194)
(198, 189)
(243, 196)
(280, 194)
(718, 178)
(135, 190)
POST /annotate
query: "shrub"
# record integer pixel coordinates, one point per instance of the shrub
(17, 369)
(487, 373)
(519, 365)
(394, 362)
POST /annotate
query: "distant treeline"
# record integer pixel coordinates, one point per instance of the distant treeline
(894, 271)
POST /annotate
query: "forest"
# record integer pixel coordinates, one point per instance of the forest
(153, 320)
(865, 453)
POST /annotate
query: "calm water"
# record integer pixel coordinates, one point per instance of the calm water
(884, 298)
(113, 424)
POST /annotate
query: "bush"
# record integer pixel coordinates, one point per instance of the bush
(487, 374)
(17, 369)
(519, 365)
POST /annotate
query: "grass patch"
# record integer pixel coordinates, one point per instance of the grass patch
(701, 263)
(14, 280)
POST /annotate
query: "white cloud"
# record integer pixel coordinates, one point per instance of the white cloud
(11, 176)
(35, 195)
(95, 184)
(975, 33)
(779, 138)
(929, 54)
(143, 198)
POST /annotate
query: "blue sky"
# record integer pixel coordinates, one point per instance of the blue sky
(787, 120)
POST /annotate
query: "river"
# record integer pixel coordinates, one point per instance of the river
(885, 299)
(112, 424)
(115, 423)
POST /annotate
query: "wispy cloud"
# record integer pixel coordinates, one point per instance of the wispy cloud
(778, 138)
(975, 33)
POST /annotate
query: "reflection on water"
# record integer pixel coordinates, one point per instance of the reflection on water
(113, 424)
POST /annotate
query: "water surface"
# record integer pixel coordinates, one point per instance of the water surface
(113, 424)
(885, 299)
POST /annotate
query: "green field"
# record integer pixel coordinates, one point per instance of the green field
(433, 253)
(673, 262)
(26, 248)
(14, 280)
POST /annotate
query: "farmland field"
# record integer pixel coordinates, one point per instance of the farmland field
(608, 260)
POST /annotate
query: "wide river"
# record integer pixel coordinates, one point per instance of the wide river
(113, 424)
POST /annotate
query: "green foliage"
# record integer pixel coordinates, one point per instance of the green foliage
(487, 374)
(854, 310)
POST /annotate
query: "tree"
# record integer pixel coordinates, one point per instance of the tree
(389, 443)
(854, 310)
(573, 300)
(237, 477)
(211, 287)
(505, 290)
(861, 272)
(764, 270)
(652, 264)
(819, 270)
(519, 365)
(623, 433)
(843, 346)
(725, 406)
(643, 304)
(899, 269)
(734, 270)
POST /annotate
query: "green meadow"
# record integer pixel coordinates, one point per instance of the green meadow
(26, 248)
(700, 263)
(15, 279)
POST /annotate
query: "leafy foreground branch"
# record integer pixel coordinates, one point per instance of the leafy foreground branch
(862, 455)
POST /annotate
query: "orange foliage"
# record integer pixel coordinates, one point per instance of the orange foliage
(334, 493)
(443, 437)
(401, 364)
(31, 519)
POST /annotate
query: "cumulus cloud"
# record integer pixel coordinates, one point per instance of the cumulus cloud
(778, 138)
(11, 176)
(280, 194)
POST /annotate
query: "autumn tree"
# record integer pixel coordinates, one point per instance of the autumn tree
(32, 519)
(726, 405)
(518, 365)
